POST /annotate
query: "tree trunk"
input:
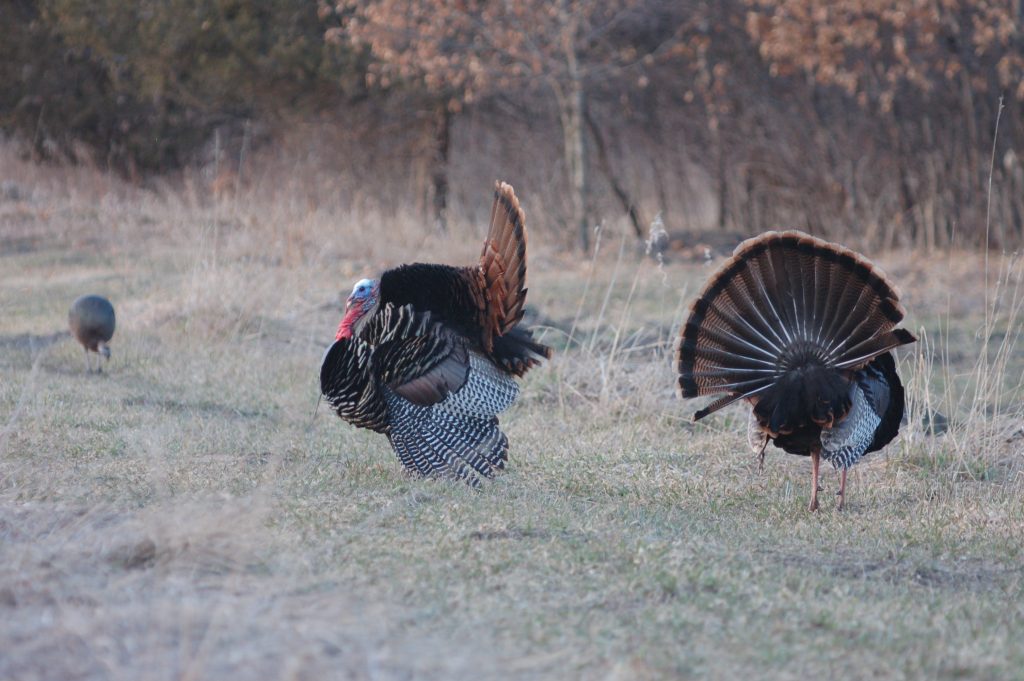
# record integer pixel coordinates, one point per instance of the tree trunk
(604, 163)
(573, 106)
(907, 194)
(721, 179)
(932, 202)
(442, 143)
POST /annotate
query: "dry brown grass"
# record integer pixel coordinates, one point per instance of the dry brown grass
(181, 516)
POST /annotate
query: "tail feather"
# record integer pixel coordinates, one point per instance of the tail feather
(706, 349)
(712, 330)
(870, 348)
(753, 289)
(723, 402)
(807, 276)
(517, 352)
(825, 282)
(733, 316)
(860, 324)
(719, 356)
(767, 291)
(781, 321)
(502, 284)
(745, 388)
(777, 278)
(503, 262)
(741, 301)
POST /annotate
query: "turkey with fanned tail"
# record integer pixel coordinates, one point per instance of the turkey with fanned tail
(428, 354)
(801, 329)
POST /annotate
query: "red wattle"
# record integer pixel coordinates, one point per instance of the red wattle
(345, 327)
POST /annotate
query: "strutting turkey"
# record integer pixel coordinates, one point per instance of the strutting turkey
(91, 319)
(426, 354)
(800, 328)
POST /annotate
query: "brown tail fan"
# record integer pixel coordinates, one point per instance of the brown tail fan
(503, 262)
(787, 303)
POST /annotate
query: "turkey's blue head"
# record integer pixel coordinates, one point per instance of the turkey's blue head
(361, 302)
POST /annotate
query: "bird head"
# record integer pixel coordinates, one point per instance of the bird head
(361, 302)
(104, 350)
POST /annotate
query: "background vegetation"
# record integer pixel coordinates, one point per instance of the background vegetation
(184, 515)
(223, 171)
(873, 121)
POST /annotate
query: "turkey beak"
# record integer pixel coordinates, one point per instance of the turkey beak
(348, 303)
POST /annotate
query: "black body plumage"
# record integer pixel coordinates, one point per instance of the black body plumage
(442, 290)
(875, 396)
(454, 295)
(800, 328)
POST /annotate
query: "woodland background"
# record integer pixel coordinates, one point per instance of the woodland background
(870, 121)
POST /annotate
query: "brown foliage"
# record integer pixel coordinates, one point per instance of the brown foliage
(464, 51)
(870, 48)
(871, 121)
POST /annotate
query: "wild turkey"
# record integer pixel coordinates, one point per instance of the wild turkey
(800, 328)
(426, 354)
(91, 319)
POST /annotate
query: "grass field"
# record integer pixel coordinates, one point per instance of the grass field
(184, 516)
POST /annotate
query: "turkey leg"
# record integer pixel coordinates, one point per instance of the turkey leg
(815, 460)
(842, 490)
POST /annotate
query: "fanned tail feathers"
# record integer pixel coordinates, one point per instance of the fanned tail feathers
(502, 273)
(781, 321)
(503, 262)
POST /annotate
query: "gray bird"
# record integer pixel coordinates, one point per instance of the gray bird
(91, 319)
